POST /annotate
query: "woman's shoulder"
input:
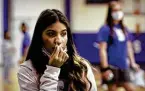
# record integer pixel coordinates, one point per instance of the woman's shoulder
(26, 66)
(104, 28)
(27, 74)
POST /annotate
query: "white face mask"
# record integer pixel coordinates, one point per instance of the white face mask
(117, 15)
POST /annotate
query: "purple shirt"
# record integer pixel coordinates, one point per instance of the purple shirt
(26, 42)
(117, 50)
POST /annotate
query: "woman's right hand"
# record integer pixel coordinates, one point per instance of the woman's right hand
(58, 57)
(107, 75)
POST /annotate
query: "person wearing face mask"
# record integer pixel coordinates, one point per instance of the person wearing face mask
(52, 62)
(115, 47)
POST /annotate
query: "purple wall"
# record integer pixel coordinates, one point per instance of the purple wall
(85, 46)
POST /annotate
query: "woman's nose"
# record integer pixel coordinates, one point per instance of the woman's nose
(58, 40)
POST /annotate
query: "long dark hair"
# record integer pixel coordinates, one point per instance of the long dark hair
(109, 19)
(74, 69)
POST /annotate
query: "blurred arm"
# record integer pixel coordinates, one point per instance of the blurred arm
(130, 52)
(103, 54)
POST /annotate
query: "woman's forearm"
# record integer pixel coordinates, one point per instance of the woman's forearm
(130, 52)
(103, 58)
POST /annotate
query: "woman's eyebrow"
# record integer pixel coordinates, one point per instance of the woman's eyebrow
(64, 30)
(50, 30)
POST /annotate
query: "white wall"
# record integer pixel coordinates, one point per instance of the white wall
(89, 17)
(34, 7)
(28, 11)
(1, 28)
(131, 22)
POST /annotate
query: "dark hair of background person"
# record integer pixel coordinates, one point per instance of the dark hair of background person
(109, 19)
(23, 27)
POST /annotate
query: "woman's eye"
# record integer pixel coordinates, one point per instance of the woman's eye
(51, 34)
(63, 34)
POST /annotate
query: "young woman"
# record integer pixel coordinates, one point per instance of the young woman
(115, 48)
(52, 63)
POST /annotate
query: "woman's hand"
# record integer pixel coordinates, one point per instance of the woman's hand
(107, 75)
(58, 57)
(135, 66)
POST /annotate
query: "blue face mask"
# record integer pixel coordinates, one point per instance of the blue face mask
(118, 15)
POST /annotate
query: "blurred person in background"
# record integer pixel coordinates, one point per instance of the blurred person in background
(138, 78)
(115, 47)
(52, 63)
(8, 51)
(25, 42)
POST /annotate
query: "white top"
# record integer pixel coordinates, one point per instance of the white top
(49, 81)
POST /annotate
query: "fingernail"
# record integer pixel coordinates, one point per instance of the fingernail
(65, 50)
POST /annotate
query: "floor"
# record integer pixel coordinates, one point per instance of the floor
(13, 86)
